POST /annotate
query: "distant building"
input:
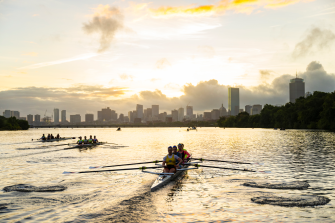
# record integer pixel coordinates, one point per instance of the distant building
(233, 101)
(15, 114)
(207, 116)
(106, 114)
(134, 114)
(200, 117)
(75, 118)
(121, 117)
(189, 111)
(241, 110)
(297, 89)
(162, 116)
(23, 118)
(223, 111)
(100, 116)
(114, 115)
(126, 119)
(248, 109)
(137, 120)
(63, 116)
(139, 111)
(89, 118)
(256, 109)
(30, 119)
(181, 114)
(168, 119)
(6, 113)
(56, 116)
(215, 114)
(155, 111)
(130, 116)
(174, 115)
(308, 94)
(37, 119)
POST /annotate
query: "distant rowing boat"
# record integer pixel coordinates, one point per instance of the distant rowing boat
(88, 145)
(56, 140)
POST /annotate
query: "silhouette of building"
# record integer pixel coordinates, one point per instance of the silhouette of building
(223, 111)
(256, 109)
(139, 111)
(241, 110)
(56, 116)
(181, 114)
(15, 114)
(37, 119)
(162, 116)
(137, 120)
(297, 89)
(130, 116)
(248, 109)
(215, 114)
(308, 94)
(233, 101)
(6, 114)
(174, 115)
(75, 118)
(30, 119)
(189, 111)
(89, 118)
(155, 112)
(207, 116)
(63, 116)
(121, 117)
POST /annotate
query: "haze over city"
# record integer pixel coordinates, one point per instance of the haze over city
(82, 56)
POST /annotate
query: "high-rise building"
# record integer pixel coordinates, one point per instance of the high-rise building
(139, 111)
(56, 116)
(223, 111)
(256, 109)
(149, 113)
(23, 118)
(130, 116)
(75, 118)
(100, 116)
(241, 110)
(37, 119)
(181, 114)
(233, 101)
(207, 116)
(63, 116)
(174, 114)
(248, 109)
(106, 114)
(6, 114)
(162, 116)
(134, 114)
(215, 114)
(89, 118)
(189, 111)
(297, 89)
(121, 117)
(145, 115)
(155, 111)
(15, 114)
(30, 119)
(126, 119)
(114, 115)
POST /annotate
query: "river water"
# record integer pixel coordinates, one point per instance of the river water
(202, 195)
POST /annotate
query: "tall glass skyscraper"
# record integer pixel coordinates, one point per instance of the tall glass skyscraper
(233, 101)
(56, 116)
(297, 89)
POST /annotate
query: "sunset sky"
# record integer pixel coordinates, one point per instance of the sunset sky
(84, 55)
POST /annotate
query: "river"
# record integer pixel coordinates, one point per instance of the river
(201, 195)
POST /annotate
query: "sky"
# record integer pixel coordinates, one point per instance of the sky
(84, 55)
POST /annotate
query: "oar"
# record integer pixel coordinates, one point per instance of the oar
(226, 161)
(128, 164)
(225, 168)
(97, 171)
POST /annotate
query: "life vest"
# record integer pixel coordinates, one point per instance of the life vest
(90, 140)
(170, 161)
(80, 141)
(85, 140)
(95, 140)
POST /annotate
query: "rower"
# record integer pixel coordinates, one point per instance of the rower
(175, 152)
(85, 140)
(57, 137)
(170, 161)
(52, 137)
(43, 137)
(49, 137)
(184, 154)
(95, 140)
(80, 141)
(90, 140)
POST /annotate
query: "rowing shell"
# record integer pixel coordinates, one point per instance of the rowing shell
(88, 145)
(163, 180)
(55, 140)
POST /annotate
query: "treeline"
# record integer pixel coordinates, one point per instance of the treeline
(13, 124)
(314, 112)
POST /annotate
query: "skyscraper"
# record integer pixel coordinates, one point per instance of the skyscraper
(297, 89)
(30, 119)
(233, 101)
(223, 111)
(56, 116)
(6, 113)
(189, 111)
(256, 109)
(89, 118)
(174, 114)
(15, 114)
(130, 116)
(155, 111)
(75, 118)
(248, 109)
(63, 116)
(181, 114)
(37, 119)
(139, 111)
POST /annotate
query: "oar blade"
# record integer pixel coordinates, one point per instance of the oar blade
(95, 167)
(267, 172)
(65, 172)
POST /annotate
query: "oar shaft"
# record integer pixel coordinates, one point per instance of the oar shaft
(222, 161)
(128, 164)
(225, 168)
(97, 171)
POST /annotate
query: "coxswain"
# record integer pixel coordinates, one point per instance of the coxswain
(80, 141)
(95, 140)
(90, 140)
(183, 152)
(43, 137)
(169, 162)
(85, 141)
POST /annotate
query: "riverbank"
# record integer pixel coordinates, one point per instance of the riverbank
(13, 123)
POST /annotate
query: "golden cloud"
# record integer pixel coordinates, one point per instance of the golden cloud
(105, 11)
(31, 54)
(239, 6)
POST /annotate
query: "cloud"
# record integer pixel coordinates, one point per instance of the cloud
(265, 74)
(162, 63)
(207, 51)
(239, 6)
(35, 15)
(155, 79)
(126, 77)
(31, 54)
(106, 22)
(203, 96)
(79, 57)
(316, 40)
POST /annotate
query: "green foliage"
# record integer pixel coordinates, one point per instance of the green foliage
(314, 112)
(13, 124)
